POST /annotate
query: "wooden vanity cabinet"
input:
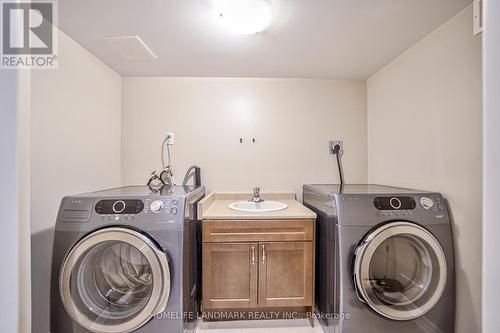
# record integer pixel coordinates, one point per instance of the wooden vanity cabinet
(230, 275)
(256, 264)
(286, 274)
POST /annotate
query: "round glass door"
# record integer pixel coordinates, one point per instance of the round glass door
(114, 280)
(400, 271)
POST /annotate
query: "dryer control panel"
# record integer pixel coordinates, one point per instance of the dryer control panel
(429, 203)
(395, 203)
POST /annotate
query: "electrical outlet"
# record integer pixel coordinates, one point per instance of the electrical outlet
(332, 144)
(170, 139)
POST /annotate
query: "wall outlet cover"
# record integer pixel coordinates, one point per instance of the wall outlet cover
(332, 143)
(170, 139)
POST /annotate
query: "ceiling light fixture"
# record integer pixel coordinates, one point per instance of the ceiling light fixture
(243, 17)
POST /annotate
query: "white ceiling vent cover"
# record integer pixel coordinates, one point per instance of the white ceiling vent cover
(131, 47)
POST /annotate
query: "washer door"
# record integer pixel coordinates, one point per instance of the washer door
(114, 280)
(400, 270)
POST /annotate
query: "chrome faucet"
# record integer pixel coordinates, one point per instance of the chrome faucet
(256, 195)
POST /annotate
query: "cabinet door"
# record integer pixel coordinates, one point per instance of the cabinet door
(285, 274)
(230, 275)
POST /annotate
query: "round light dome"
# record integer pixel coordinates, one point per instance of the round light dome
(243, 17)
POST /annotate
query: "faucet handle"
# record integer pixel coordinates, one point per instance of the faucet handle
(256, 195)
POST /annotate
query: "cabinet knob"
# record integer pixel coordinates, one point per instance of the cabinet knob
(263, 254)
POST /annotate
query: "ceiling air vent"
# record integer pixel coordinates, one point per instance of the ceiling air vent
(131, 47)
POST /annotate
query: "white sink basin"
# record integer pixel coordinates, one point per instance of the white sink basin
(264, 206)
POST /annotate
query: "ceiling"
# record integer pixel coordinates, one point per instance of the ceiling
(308, 38)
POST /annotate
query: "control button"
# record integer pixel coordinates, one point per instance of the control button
(175, 202)
(119, 206)
(426, 203)
(156, 206)
(395, 203)
(173, 211)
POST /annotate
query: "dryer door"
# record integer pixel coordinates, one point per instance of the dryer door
(114, 280)
(400, 270)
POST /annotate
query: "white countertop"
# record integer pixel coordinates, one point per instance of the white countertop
(215, 207)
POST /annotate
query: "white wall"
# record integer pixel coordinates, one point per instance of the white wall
(24, 200)
(9, 241)
(291, 120)
(491, 179)
(14, 201)
(75, 147)
(425, 132)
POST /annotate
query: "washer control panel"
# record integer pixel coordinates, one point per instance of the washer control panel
(166, 208)
(395, 203)
(170, 206)
(149, 210)
(119, 206)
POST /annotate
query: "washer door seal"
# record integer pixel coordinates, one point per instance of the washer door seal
(114, 281)
(400, 270)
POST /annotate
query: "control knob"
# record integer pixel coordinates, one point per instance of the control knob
(426, 203)
(156, 206)
(118, 206)
(395, 203)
